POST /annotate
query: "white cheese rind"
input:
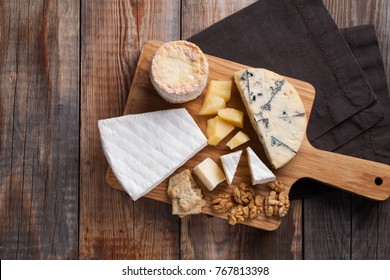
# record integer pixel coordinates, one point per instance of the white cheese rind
(229, 164)
(259, 171)
(144, 149)
(276, 112)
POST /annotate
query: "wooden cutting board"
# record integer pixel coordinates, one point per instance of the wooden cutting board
(362, 177)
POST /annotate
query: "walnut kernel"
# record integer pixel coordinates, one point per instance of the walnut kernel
(277, 186)
(243, 194)
(237, 214)
(256, 206)
(222, 202)
(277, 204)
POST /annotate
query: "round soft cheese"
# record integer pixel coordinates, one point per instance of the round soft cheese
(179, 71)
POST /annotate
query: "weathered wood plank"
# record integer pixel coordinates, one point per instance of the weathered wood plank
(198, 15)
(107, 62)
(219, 240)
(327, 226)
(383, 233)
(112, 226)
(338, 226)
(157, 232)
(39, 107)
(39, 129)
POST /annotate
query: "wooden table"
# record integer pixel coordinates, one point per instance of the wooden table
(66, 64)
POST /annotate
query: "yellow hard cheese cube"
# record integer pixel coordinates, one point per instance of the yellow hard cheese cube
(209, 173)
(234, 116)
(218, 93)
(220, 88)
(211, 105)
(237, 140)
(217, 129)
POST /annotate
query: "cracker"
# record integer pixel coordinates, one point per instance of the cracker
(185, 195)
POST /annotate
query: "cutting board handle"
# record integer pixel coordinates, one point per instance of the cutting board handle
(363, 177)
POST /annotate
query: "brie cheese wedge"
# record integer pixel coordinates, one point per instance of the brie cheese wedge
(259, 171)
(144, 149)
(229, 164)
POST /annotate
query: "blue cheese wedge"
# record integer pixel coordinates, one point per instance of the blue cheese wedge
(276, 112)
(229, 164)
(259, 171)
(144, 149)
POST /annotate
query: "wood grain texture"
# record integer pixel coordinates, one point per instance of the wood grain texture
(157, 232)
(200, 14)
(222, 241)
(289, 245)
(39, 117)
(349, 227)
(39, 144)
(111, 225)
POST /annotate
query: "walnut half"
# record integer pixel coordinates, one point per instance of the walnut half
(256, 206)
(243, 194)
(277, 204)
(241, 212)
(222, 202)
(277, 186)
(237, 214)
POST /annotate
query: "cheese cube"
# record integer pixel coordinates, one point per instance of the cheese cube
(217, 129)
(220, 88)
(211, 105)
(237, 140)
(209, 173)
(234, 116)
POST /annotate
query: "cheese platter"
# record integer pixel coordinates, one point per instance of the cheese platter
(359, 176)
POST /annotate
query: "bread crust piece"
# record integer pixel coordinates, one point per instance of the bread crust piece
(185, 195)
(179, 71)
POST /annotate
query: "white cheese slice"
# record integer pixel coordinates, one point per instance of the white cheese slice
(259, 171)
(276, 112)
(229, 164)
(209, 173)
(144, 149)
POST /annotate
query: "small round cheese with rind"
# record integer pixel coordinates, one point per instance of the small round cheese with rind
(179, 71)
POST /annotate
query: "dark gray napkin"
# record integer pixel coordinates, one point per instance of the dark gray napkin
(373, 144)
(298, 38)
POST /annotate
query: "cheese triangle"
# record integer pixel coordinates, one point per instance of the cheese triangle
(259, 171)
(229, 164)
(144, 149)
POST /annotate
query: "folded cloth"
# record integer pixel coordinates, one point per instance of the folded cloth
(373, 144)
(298, 38)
